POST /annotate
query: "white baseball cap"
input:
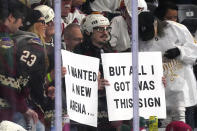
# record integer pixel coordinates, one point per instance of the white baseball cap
(46, 11)
(10, 126)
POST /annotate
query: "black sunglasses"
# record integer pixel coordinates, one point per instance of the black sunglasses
(42, 21)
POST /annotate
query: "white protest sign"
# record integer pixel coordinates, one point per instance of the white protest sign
(81, 87)
(118, 71)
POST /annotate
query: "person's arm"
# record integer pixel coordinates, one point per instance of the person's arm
(185, 47)
(17, 100)
(102, 82)
(31, 114)
(50, 77)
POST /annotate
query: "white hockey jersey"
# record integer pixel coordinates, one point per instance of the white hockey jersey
(120, 39)
(75, 16)
(105, 5)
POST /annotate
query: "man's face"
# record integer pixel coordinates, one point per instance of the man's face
(100, 35)
(15, 24)
(50, 29)
(171, 15)
(65, 8)
(74, 39)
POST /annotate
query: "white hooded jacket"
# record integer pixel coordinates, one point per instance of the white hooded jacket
(181, 83)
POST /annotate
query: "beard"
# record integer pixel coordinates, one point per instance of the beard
(101, 43)
(105, 38)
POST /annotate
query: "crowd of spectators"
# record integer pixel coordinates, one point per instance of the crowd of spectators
(27, 56)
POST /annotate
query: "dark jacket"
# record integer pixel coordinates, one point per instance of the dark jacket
(31, 57)
(88, 49)
(13, 83)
